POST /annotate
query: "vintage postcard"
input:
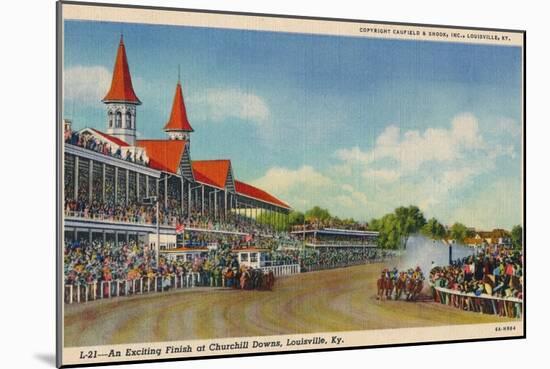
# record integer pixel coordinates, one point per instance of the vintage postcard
(234, 184)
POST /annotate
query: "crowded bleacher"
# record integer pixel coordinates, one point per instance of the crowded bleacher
(495, 271)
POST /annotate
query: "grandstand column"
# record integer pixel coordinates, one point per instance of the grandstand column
(76, 178)
(91, 181)
(225, 203)
(103, 182)
(215, 204)
(202, 200)
(188, 199)
(127, 185)
(116, 184)
(146, 186)
(165, 192)
(137, 186)
(182, 191)
(273, 213)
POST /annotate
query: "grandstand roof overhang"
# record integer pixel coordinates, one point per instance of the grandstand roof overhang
(257, 194)
(164, 155)
(213, 173)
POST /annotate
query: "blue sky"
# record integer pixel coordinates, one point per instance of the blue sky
(354, 124)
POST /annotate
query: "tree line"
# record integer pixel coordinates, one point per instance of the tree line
(394, 228)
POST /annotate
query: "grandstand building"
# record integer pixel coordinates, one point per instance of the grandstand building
(118, 187)
(337, 238)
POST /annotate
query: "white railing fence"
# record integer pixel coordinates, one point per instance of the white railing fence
(282, 270)
(510, 307)
(90, 291)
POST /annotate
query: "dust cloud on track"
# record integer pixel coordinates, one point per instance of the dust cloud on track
(325, 301)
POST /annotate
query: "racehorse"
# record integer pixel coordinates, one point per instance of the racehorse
(400, 285)
(267, 281)
(381, 285)
(245, 280)
(388, 287)
(413, 288)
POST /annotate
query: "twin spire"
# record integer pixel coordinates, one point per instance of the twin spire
(122, 91)
(178, 117)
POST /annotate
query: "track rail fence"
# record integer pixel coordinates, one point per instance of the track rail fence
(510, 307)
(98, 290)
(282, 270)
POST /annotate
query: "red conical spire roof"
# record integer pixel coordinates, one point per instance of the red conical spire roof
(178, 117)
(121, 85)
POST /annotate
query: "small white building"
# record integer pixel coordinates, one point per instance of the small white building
(254, 257)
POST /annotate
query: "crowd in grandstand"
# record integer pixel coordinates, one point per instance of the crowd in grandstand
(111, 212)
(339, 240)
(146, 214)
(89, 142)
(337, 257)
(95, 262)
(494, 271)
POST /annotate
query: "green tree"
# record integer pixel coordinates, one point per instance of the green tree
(517, 236)
(459, 232)
(409, 220)
(296, 218)
(317, 214)
(434, 229)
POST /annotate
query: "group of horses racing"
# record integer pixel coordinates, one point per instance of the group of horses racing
(394, 284)
(250, 279)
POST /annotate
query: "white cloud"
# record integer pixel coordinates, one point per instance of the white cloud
(426, 167)
(301, 188)
(219, 104)
(86, 84)
(384, 175)
(351, 198)
(282, 180)
(413, 148)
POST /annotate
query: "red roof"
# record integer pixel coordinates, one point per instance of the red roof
(178, 117)
(113, 139)
(163, 155)
(258, 194)
(211, 172)
(121, 85)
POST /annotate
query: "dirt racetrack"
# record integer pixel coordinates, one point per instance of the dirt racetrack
(331, 300)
